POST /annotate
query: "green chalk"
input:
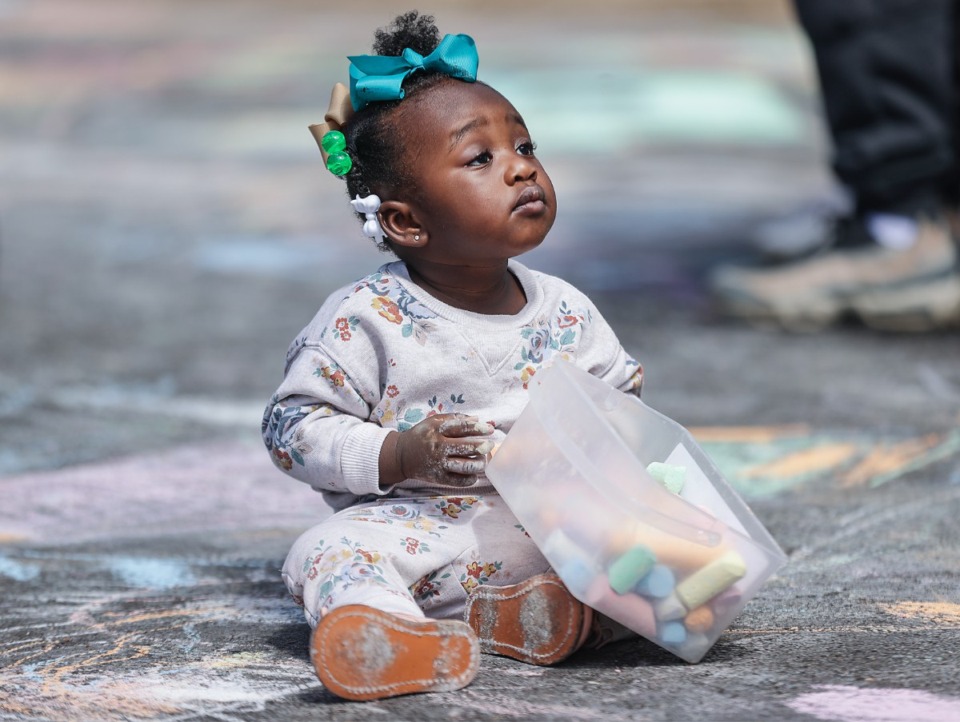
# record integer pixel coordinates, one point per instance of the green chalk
(670, 475)
(629, 568)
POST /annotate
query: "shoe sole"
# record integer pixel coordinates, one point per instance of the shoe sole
(361, 653)
(932, 306)
(537, 621)
(913, 308)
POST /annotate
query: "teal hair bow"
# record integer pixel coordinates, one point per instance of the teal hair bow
(380, 77)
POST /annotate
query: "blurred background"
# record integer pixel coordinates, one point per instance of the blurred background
(167, 225)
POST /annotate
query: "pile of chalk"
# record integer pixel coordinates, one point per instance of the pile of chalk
(675, 591)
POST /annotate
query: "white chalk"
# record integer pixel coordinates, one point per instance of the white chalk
(669, 609)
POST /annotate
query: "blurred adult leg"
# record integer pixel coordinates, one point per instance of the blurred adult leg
(886, 80)
(887, 83)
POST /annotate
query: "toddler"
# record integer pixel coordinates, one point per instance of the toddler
(397, 392)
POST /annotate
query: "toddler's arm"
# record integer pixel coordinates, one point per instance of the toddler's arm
(599, 351)
(317, 427)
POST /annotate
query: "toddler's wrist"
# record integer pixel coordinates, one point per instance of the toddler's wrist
(389, 462)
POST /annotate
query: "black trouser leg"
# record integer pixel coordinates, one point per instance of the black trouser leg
(886, 72)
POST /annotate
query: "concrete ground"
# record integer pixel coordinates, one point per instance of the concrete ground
(166, 228)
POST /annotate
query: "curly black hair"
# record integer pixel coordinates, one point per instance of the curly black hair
(375, 141)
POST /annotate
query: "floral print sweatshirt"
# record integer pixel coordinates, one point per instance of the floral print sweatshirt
(382, 355)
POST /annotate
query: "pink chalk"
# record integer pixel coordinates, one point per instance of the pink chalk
(631, 610)
(726, 601)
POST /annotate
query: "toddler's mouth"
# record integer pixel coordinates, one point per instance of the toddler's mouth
(531, 200)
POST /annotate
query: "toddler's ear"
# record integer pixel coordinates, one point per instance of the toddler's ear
(401, 225)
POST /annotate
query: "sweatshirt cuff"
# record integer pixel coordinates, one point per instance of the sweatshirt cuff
(360, 459)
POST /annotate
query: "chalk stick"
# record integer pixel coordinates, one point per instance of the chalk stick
(670, 475)
(707, 582)
(658, 583)
(576, 574)
(595, 523)
(589, 522)
(694, 647)
(629, 568)
(669, 609)
(727, 601)
(699, 620)
(570, 561)
(673, 633)
(672, 550)
(630, 610)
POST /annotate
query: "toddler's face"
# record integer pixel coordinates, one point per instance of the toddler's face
(481, 192)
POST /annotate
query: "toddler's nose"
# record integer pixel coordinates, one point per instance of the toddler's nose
(521, 169)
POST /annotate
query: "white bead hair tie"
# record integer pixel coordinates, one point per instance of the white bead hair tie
(369, 207)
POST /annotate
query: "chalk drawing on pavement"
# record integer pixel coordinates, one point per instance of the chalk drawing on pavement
(140, 656)
(840, 703)
(943, 614)
(763, 462)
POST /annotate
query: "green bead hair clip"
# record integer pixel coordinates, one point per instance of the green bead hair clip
(338, 162)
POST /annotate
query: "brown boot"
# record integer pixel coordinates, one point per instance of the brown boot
(537, 621)
(361, 653)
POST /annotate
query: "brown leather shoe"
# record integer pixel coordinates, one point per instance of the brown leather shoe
(537, 621)
(362, 653)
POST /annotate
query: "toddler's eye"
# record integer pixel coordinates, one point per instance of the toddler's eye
(526, 148)
(481, 159)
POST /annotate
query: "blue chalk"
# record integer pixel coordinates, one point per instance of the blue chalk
(673, 633)
(576, 574)
(658, 583)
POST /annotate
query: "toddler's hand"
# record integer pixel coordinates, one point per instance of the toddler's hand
(446, 448)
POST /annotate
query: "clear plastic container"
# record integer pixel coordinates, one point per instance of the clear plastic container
(578, 470)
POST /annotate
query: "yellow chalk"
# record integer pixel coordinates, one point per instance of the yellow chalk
(707, 582)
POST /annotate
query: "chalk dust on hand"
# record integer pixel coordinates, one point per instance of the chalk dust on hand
(485, 448)
(481, 428)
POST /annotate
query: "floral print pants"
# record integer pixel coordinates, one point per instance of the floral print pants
(419, 556)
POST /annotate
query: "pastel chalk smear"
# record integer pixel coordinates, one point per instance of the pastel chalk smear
(714, 578)
(629, 568)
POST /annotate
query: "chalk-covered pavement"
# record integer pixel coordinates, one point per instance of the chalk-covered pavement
(166, 228)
